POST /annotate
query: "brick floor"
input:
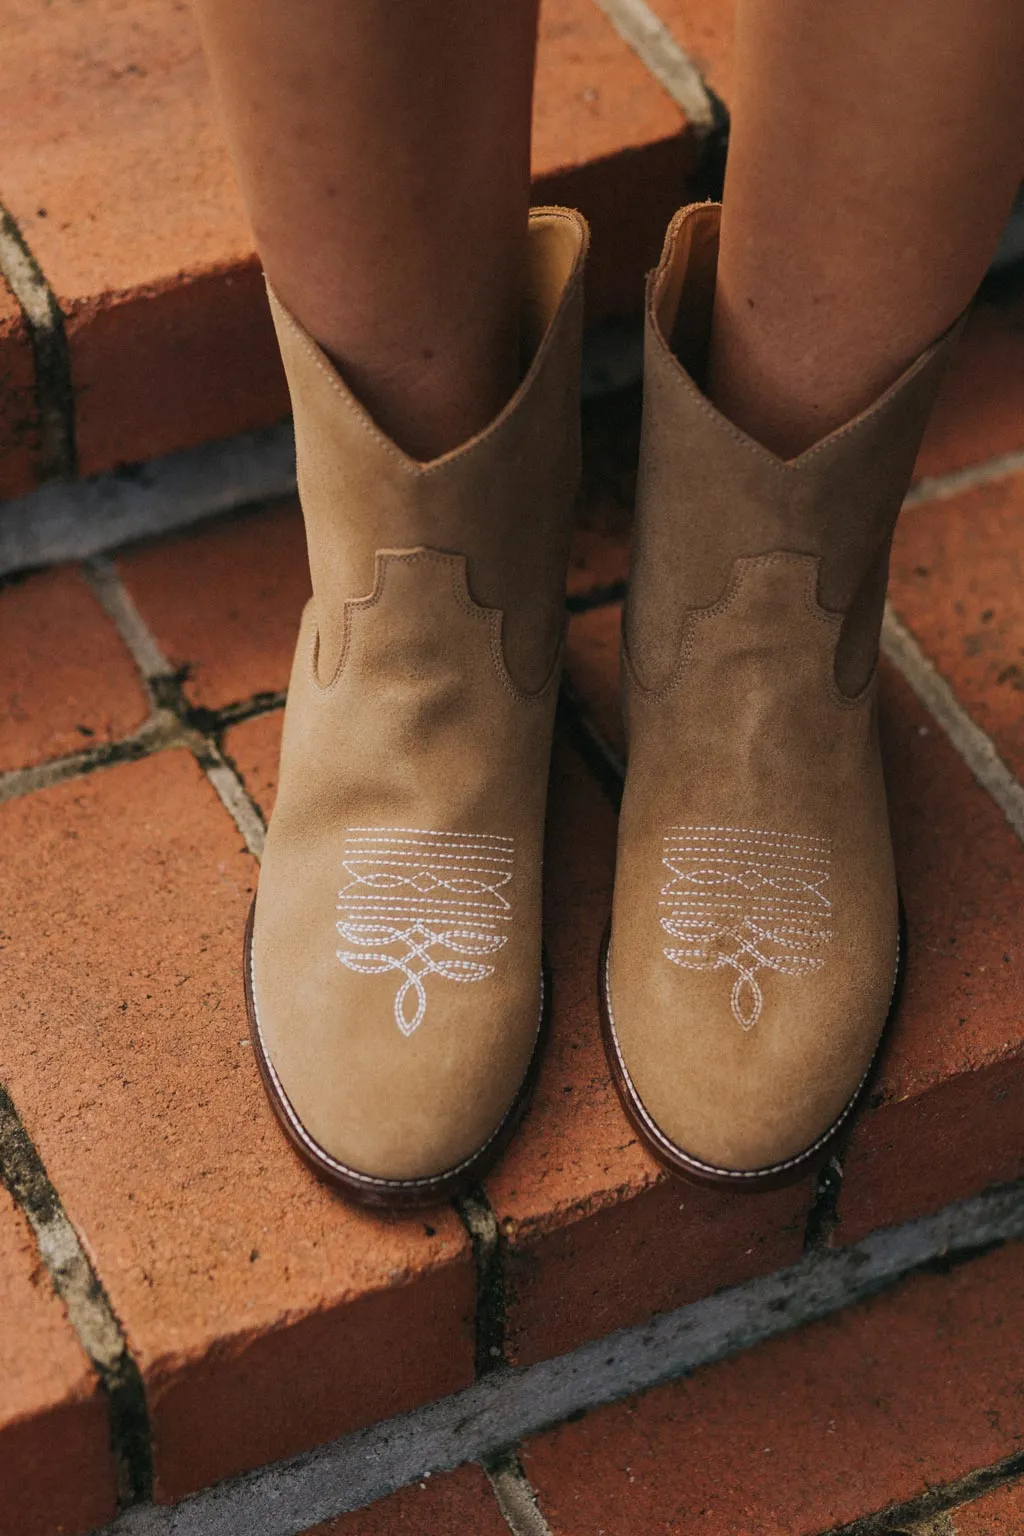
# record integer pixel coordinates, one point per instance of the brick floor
(831, 1423)
(56, 1471)
(442, 1505)
(67, 682)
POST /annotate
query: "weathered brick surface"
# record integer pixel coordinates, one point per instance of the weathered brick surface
(1000, 1513)
(958, 582)
(66, 680)
(596, 1237)
(56, 1472)
(113, 161)
(19, 417)
(458, 1503)
(224, 602)
(266, 1314)
(867, 1408)
(944, 1118)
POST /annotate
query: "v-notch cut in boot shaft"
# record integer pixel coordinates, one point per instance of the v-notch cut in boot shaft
(754, 942)
(395, 971)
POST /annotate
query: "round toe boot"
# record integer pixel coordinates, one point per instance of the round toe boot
(755, 940)
(393, 959)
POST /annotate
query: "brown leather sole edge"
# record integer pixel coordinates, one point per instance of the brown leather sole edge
(755, 1180)
(391, 1194)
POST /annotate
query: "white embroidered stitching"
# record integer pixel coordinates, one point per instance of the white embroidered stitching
(473, 870)
(746, 900)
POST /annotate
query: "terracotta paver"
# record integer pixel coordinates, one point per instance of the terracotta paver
(980, 411)
(266, 1314)
(945, 1115)
(19, 419)
(113, 163)
(827, 1424)
(958, 582)
(458, 1503)
(224, 601)
(56, 1473)
(67, 682)
(596, 1237)
(1000, 1513)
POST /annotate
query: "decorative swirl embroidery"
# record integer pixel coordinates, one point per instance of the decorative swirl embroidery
(411, 892)
(746, 900)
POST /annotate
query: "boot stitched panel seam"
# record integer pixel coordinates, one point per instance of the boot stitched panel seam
(491, 617)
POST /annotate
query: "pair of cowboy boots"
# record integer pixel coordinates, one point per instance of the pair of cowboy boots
(395, 973)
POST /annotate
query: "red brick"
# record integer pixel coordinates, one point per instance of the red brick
(820, 1427)
(980, 412)
(266, 1314)
(458, 1503)
(19, 417)
(596, 1237)
(114, 164)
(945, 1115)
(56, 1473)
(107, 125)
(958, 582)
(225, 602)
(68, 681)
(1000, 1513)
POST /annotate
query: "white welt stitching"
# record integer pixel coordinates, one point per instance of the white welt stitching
(746, 901)
(391, 931)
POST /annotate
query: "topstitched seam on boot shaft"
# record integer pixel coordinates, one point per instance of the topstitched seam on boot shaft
(735, 1173)
(322, 1155)
(425, 468)
(492, 618)
(689, 652)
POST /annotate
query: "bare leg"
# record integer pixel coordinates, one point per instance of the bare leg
(383, 149)
(875, 151)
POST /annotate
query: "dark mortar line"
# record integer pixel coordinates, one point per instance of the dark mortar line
(156, 734)
(86, 1303)
(475, 1212)
(596, 597)
(903, 1519)
(55, 400)
(823, 1216)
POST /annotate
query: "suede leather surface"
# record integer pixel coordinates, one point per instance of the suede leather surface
(754, 934)
(397, 936)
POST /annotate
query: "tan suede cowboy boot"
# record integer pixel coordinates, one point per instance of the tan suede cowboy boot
(754, 944)
(393, 959)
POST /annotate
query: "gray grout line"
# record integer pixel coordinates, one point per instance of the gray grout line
(88, 1308)
(670, 64)
(161, 731)
(515, 1495)
(501, 1409)
(45, 324)
(944, 487)
(970, 741)
(475, 1212)
(101, 573)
